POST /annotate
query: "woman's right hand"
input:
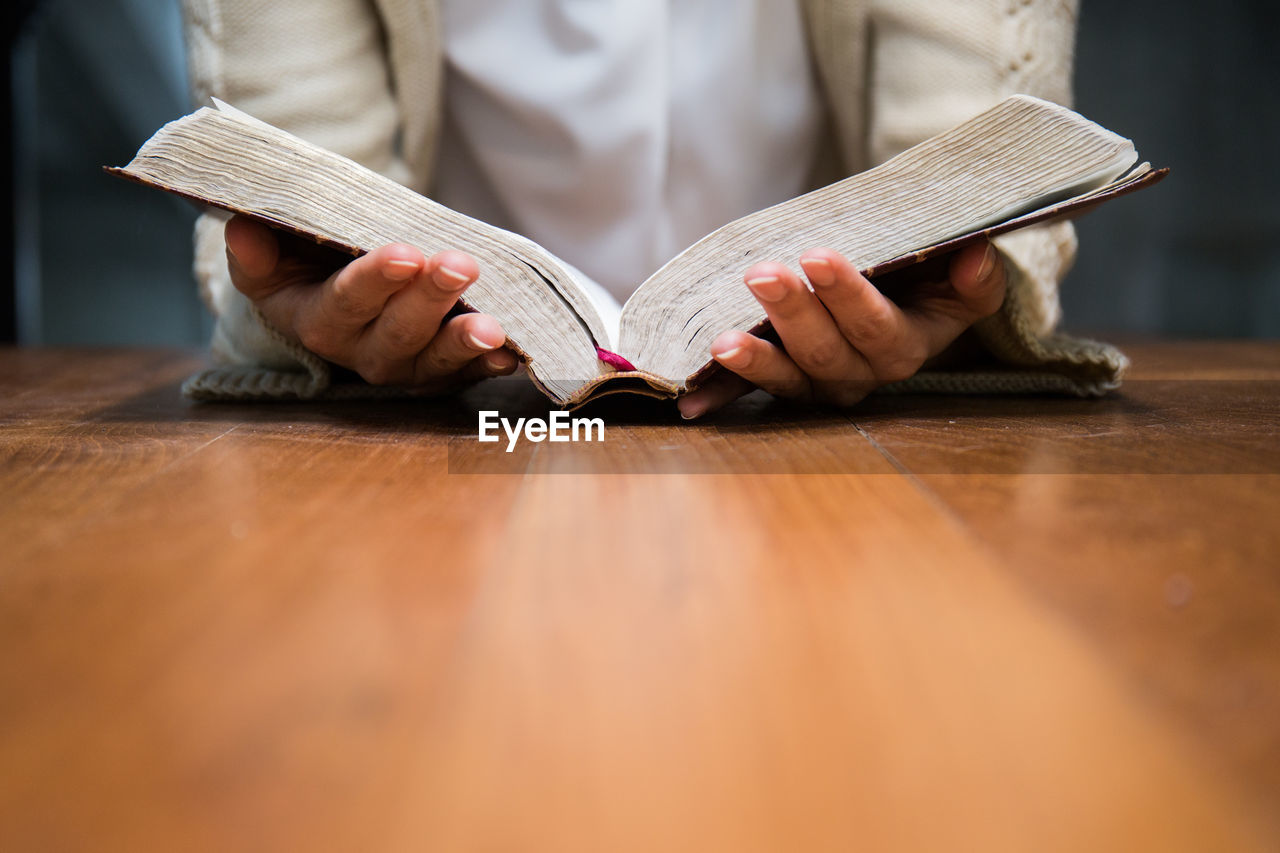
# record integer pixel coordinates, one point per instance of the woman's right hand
(383, 315)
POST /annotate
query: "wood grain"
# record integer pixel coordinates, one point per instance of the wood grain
(1147, 518)
(963, 623)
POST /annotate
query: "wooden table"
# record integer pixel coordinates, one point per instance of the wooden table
(940, 624)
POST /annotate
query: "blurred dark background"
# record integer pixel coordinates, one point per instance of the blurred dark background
(99, 261)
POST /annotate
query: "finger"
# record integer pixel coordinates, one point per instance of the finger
(975, 289)
(412, 315)
(452, 271)
(329, 317)
(866, 318)
(497, 363)
(500, 362)
(763, 364)
(720, 389)
(356, 294)
(978, 276)
(253, 253)
(808, 333)
(459, 342)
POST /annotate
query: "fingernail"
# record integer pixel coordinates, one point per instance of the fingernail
(988, 263)
(496, 365)
(479, 344)
(818, 270)
(398, 270)
(734, 357)
(690, 410)
(767, 287)
(453, 275)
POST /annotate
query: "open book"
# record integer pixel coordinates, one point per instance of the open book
(1023, 161)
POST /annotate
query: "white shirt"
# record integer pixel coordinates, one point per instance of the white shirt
(617, 132)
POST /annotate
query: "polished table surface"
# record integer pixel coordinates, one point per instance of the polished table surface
(929, 623)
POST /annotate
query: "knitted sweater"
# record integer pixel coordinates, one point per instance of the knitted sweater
(364, 78)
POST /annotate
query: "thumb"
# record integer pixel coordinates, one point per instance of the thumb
(978, 277)
(253, 253)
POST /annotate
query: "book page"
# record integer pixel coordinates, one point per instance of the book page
(231, 160)
(600, 312)
(1022, 153)
(604, 304)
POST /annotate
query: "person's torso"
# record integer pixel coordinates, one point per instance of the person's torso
(617, 132)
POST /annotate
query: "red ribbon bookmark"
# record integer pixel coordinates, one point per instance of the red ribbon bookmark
(614, 360)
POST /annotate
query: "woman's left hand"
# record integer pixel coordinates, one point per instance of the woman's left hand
(844, 338)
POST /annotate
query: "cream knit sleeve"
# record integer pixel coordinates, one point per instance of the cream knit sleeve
(318, 69)
(934, 63)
